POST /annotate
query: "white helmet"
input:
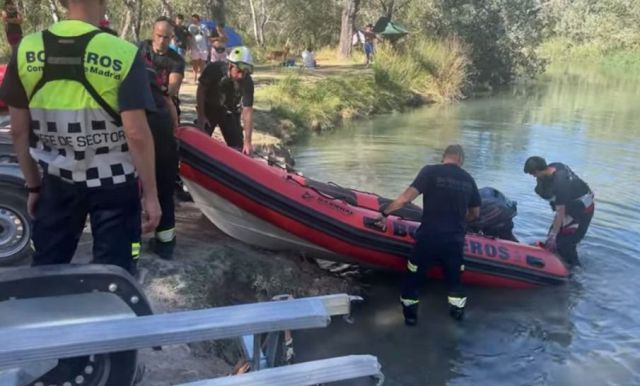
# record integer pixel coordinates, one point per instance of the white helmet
(241, 57)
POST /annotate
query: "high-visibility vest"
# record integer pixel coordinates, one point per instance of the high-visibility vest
(72, 75)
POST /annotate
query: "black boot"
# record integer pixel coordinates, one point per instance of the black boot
(457, 313)
(162, 249)
(410, 314)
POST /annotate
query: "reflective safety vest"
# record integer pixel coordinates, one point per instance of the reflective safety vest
(72, 74)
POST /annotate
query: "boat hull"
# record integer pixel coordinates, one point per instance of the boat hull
(276, 209)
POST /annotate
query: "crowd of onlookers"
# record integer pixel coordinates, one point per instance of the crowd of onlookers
(199, 43)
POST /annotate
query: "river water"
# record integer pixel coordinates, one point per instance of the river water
(584, 333)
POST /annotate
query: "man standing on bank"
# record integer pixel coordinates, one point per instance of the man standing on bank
(168, 68)
(77, 98)
(450, 197)
(572, 201)
(225, 95)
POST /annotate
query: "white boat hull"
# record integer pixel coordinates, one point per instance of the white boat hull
(248, 228)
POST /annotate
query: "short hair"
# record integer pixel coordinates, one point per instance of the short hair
(534, 164)
(180, 16)
(163, 19)
(454, 150)
(195, 16)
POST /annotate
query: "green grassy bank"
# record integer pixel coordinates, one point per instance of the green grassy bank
(418, 72)
(614, 61)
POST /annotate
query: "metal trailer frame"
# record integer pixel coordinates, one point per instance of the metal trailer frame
(51, 313)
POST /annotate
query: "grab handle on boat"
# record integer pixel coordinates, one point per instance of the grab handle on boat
(535, 261)
(373, 223)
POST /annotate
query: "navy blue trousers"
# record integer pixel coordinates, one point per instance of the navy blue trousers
(166, 151)
(430, 251)
(61, 213)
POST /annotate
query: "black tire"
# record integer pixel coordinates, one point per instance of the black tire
(115, 369)
(15, 227)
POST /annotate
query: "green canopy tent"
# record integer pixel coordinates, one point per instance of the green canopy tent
(389, 30)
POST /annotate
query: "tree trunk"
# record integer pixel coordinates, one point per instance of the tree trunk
(263, 22)
(349, 13)
(216, 10)
(254, 19)
(126, 25)
(137, 25)
(387, 6)
(54, 11)
(166, 10)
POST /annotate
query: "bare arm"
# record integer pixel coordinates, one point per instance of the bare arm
(472, 214)
(20, 128)
(140, 141)
(247, 122)
(173, 112)
(175, 81)
(557, 221)
(406, 197)
(200, 98)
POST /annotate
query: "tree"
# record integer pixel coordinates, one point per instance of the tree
(259, 21)
(389, 6)
(55, 14)
(133, 19)
(217, 10)
(349, 13)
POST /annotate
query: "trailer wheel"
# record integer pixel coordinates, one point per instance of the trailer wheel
(15, 230)
(115, 369)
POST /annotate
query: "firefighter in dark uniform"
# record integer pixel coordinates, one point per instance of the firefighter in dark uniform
(77, 98)
(450, 197)
(225, 97)
(572, 201)
(167, 69)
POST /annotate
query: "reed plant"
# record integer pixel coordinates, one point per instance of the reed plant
(437, 70)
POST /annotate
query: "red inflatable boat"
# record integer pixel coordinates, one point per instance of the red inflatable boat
(269, 207)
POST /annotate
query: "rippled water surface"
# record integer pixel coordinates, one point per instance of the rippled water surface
(584, 333)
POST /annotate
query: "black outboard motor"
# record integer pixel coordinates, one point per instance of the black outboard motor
(496, 215)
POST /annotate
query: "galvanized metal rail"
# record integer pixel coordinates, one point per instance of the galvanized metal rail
(72, 340)
(304, 374)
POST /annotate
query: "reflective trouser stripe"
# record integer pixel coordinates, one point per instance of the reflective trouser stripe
(166, 235)
(462, 268)
(409, 302)
(412, 267)
(459, 302)
(135, 250)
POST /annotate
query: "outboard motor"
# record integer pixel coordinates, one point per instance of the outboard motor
(496, 215)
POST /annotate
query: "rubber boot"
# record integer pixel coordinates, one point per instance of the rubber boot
(410, 314)
(163, 250)
(457, 313)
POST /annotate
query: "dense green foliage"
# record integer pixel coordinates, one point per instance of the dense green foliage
(501, 37)
(437, 70)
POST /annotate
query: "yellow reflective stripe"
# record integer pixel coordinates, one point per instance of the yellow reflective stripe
(135, 250)
(412, 267)
(166, 235)
(409, 302)
(462, 268)
(457, 301)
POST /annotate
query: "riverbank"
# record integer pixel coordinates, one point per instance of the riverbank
(210, 269)
(293, 102)
(618, 62)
